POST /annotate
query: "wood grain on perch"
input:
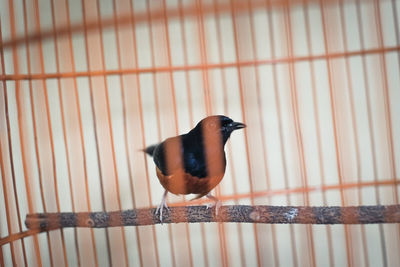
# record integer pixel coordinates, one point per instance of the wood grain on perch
(236, 214)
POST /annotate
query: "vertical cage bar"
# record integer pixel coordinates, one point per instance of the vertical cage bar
(261, 121)
(317, 125)
(141, 119)
(203, 57)
(36, 147)
(370, 125)
(13, 177)
(169, 62)
(49, 124)
(2, 160)
(396, 27)
(64, 133)
(94, 117)
(208, 105)
(125, 122)
(354, 124)
(335, 128)
(1, 257)
(109, 124)
(242, 105)
(280, 127)
(17, 85)
(298, 128)
(190, 109)
(81, 138)
(388, 118)
(158, 115)
(185, 61)
(225, 95)
(191, 119)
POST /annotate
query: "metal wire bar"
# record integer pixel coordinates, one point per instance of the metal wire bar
(124, 107)
(1, 257)
(396, 27)
(10, 144)
(387, 105)
(158, 112)
(298, 128)
(261, 121)
(225, 105)
(18, 236)
(209, 110)
(388, 119)
(157, 106)
(190, 110)
(158, 14)
(354, 124)
(141, 120)
(94, 118)
(35, 134)
(2, 168)
(246, 137)
(83, 149)
(5, 194)
(317, 126)
(290, 191)
(280, 129)
(64, 132)
(49, 124)
(110, 132)
(335, 127)
(238, 63)
(370, 126)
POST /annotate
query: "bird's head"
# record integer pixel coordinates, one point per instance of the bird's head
(219, 125)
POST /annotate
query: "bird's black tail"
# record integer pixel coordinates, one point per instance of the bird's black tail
(150, 150)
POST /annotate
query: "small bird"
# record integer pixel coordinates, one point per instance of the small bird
(194, 163)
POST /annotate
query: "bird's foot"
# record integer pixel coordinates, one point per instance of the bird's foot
(160, 209)
(217, 203)
(162, 205)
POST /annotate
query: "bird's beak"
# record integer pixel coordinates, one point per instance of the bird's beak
(236, 125)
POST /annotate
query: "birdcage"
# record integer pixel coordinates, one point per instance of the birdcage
(86, 85)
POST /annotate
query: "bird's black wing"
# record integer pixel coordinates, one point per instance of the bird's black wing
(194, 155)
(190, 151)
(168, 155)
(195, 161)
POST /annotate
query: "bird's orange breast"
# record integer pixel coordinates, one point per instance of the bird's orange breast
(181, 182)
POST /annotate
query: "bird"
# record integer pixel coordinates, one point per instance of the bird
(195, 162)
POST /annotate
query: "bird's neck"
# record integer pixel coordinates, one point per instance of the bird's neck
(197, 136)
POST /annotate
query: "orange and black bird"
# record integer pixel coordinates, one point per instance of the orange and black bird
(194, 163)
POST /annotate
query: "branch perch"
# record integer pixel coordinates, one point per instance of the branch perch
(238, 214)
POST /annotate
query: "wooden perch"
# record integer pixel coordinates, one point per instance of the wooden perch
(238, 214)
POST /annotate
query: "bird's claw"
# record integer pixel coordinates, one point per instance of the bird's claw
(160, 209)
(162, 205)
(216, 204)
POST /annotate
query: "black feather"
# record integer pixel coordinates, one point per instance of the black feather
(193, 148)
(150, 149)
